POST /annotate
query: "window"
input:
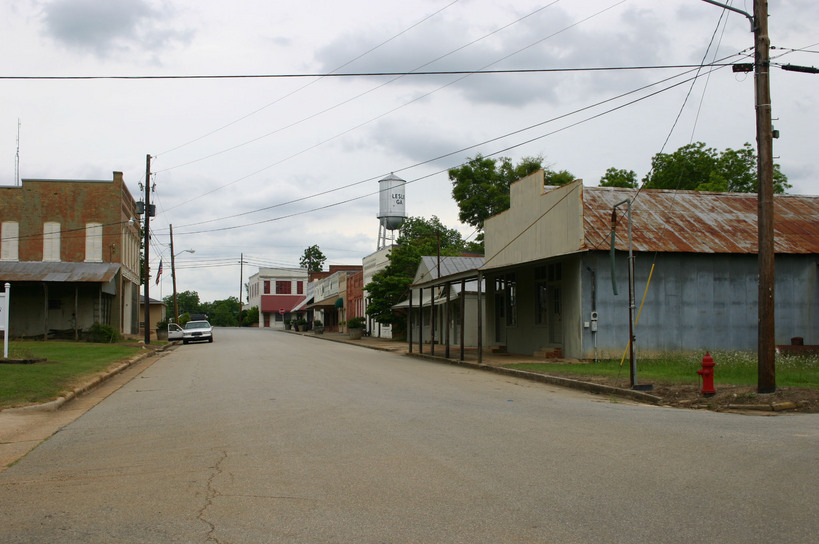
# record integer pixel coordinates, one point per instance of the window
(51, 241)
(266, 287)
(283, 287)
(93, 242)
(10, 241)
(511, 300)
(299, 288)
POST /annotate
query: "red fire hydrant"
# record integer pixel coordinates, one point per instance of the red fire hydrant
(707, 373)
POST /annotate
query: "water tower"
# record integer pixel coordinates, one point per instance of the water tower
(391, 207)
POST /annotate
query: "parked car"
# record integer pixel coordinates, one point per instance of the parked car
(196, 331)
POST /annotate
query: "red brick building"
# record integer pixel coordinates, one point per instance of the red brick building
(70, 249)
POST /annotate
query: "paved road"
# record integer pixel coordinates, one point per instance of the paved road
(269, 437)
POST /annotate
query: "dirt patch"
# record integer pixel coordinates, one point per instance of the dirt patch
(728, 397)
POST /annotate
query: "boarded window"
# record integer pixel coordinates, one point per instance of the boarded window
(266, 287)
(51, 241)
(93, 242)
(10, 241)
(299, 288)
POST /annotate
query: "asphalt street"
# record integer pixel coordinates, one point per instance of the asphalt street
(269, 437)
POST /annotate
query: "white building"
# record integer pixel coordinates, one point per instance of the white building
(279, 293)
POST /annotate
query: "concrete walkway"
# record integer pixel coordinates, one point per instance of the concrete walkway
(491, 361)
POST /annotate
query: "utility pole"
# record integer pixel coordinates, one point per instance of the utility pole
(173, 280)
(147, 265)
(766, 323)
(766, 348)
(241, 285)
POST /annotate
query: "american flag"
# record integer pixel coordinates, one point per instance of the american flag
(159, 272)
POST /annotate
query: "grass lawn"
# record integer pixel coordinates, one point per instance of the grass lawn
(67, 363)
(735, 368)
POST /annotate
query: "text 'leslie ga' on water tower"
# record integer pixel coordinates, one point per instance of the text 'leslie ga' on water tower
(391, 210)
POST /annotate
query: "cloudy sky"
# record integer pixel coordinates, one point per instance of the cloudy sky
(266, 167)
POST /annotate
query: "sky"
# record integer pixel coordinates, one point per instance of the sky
(256, 169)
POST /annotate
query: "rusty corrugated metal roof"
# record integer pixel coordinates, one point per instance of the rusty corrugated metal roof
(58, 272)
(698, 222)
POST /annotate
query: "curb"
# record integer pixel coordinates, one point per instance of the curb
(57, 403)
(595, 388)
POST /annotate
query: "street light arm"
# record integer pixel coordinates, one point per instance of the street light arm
(731, 8)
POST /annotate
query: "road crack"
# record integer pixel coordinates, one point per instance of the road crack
(212, 493)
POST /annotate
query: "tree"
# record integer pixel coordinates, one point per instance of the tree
(481, 186)
(695, 167)
(619, 178)
(188, 302)
(313, 259)
(250, 316)
(417, 237)
(223, 313)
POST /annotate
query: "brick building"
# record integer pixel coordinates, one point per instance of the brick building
(70, 249)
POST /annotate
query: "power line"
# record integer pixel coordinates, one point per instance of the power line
(367, 74)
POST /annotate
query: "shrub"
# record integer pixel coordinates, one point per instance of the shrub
(355, 323)
(102, 334)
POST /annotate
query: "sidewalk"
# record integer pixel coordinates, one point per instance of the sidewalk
(492, 362)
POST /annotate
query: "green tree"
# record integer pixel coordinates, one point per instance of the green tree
(619, 178)
(313, 259)
(188, 302)
(417, 237)
(481, 186)
(250, 316)
(695, 167)
(561, 177)
(223, 313)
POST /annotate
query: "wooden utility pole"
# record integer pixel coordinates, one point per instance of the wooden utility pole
(173, 280)
(147, 266)
(766, 348)
(241, 284)
(766, 323)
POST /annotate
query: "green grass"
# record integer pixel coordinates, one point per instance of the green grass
(68, 362)
(735, 368)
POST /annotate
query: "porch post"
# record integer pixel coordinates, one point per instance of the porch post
(421, 321)
(432, 320)
(480, 320)
(76, 311)
(446, 320)
(45, 311)
(409, 322)
(463, 316)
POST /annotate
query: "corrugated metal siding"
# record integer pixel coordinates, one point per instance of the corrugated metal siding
(58, 271)
(451, 265)
(698, 222)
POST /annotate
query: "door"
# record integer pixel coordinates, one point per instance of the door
(174, 332)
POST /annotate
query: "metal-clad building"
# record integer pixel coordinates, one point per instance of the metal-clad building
(549, 273)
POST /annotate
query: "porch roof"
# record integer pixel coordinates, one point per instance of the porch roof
(58, 272)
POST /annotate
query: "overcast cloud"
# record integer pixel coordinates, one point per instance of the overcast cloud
(268, 167)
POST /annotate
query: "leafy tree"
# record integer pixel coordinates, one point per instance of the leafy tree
(313, 259)
(250, 316)
(417, 237)
(222, 313)
(562, 177)
(695, 167)
(619, 178)
(481, 186)
(188, 302)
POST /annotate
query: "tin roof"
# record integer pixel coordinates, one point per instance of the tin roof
(698, 221)
(449, 266)
(57, 271)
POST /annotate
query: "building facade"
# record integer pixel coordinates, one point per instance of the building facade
(71, 250)
(557, 286)
(279, 293)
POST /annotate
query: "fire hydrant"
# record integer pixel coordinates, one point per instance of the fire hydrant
(707, 373)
